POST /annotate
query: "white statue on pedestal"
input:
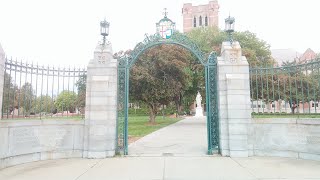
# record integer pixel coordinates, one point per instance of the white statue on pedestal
(199, 110)
(198, 99)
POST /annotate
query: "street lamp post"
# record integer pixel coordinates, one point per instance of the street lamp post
(104, 30)
(229, 27)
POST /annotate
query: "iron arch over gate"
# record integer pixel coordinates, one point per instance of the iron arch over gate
(210, 64)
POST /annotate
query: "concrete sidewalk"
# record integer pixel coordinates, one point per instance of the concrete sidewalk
(165, 168)
(187, 137)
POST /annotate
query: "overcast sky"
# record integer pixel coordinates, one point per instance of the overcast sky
(67, 31)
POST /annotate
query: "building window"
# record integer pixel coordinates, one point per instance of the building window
(194, 22)
(200, 21)
(206, 21)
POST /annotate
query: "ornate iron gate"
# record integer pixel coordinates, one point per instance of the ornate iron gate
(126, 62)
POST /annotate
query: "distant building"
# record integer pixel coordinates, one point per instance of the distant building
(308, 55)
(284, 55)
(290, 55)
(198, 16)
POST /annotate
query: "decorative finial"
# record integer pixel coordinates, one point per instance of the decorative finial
(165, 13)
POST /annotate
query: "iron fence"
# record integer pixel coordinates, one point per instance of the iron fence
(292, 89)
(34, 91)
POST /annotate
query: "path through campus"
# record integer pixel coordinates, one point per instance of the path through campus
(187, 137)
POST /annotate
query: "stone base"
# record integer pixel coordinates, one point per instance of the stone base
(199, 112)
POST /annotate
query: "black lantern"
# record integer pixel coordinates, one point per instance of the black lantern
(229, 27)
(104, 29)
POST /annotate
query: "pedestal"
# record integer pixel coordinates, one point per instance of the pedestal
(199, 112)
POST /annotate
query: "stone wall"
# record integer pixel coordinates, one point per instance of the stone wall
(296, 138)
(34, 140)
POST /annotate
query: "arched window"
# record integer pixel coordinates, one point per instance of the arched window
(200, 21)
(206, 21)
(194, 22)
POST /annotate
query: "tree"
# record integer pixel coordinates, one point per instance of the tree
(81, 87)
(159, 77)
(256, 51)
(9, 91)
(66, 101)
(43, 104)
(210, 39)
(24, 97)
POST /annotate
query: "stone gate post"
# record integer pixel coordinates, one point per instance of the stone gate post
(234, 100)
(2, 64)
(101, 104)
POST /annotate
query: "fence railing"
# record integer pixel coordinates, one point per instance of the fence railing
(34, 91)
(288, 89)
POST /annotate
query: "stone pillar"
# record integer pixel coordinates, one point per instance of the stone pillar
(2, 66)
(234, 101)
(101, 104)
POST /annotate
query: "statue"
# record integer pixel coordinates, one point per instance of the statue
(199, 110)
(198, 99)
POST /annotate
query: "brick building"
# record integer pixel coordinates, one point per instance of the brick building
(308, 55)
(202, 15)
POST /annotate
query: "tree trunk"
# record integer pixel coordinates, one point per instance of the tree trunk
(178, 103)
(152, 113)
(177, 108)
(293, 107)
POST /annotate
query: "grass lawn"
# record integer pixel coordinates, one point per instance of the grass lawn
(286, 116)
(139, 126)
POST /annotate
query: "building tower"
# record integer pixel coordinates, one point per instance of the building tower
(198, 16)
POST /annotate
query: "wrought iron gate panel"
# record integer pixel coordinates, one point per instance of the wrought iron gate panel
(212, 103)
(122, 105)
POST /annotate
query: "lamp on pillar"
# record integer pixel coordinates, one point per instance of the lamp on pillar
(104, 30)
(229, 27)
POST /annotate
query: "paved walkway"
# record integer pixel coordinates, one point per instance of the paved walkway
(187, 137)
(166, 168)
(186, 161)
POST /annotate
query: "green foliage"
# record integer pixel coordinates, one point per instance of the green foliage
(257, 51)
(43, 104)
(81, 87)
(210, 39)
(24, 97)
(159, 77)
(138, 112)
(66, 101)
(81, 83)
(9, 90)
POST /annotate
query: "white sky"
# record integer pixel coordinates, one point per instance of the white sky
(66, 31)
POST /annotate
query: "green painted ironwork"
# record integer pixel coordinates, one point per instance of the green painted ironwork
(212, 103)
(126, 62)
(291, 89)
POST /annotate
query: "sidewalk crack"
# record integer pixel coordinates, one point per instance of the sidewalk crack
(89, 169)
